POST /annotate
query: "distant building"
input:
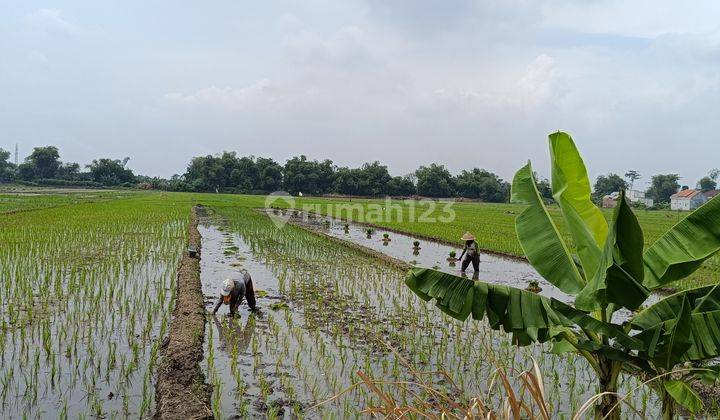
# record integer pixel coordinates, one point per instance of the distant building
(711, 194)
(687, 199)
(636, 196)
(609, 201)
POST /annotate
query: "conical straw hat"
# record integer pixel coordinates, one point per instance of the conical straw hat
(468, 237)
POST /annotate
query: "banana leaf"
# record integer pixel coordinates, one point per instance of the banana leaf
(571, 190)
(702, 299)
(528, 316)
(682, 249)
(684, 395)
(619, 277)
(681, 327)
(540, 238)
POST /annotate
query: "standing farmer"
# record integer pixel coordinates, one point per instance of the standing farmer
(473, 254)
(233, 291)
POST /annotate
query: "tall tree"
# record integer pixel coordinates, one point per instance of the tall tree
(481, 184)
(312, 177)
(244, 175)
(7, 169)
(110, 171)
(269, 175)
(347, 181)
(707, 184)
(44, 162)
(205, 173)
(663, 186)
(632, 176)
(434, 181)
(68, 171)
(714, 174)
(373, 179)
(607, 184)
(543, 187)
(401, 186)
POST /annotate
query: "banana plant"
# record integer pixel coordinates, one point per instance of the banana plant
(606, 270)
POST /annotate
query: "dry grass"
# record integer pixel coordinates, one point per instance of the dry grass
(430, 402)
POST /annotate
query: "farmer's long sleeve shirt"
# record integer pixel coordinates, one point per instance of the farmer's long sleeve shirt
(237, 294)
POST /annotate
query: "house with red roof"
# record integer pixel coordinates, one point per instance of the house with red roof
(687, 199)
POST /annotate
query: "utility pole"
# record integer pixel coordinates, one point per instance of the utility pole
(16, 155)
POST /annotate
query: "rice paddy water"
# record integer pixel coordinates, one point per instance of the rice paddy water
(88, 291)
(328, 311)
(85, 301)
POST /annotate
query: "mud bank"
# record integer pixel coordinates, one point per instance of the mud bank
(181, 391)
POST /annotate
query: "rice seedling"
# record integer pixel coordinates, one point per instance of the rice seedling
(82, 302)
(95, 324)
(342, 306)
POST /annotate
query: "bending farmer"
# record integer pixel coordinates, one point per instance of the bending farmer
(473, 254)
(233, 291)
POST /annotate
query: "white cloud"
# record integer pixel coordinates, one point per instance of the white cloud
(51, 19)
(535, 86)
(397, 81)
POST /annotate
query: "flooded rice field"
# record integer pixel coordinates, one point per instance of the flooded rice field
(84, 305)
(328, 312)
(493, 268)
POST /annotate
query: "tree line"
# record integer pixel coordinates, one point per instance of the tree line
(43, 166)
(229, 173)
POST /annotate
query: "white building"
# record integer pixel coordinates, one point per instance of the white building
(635, 196)
(687, 199)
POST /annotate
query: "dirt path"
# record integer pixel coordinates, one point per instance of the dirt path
(181, 391)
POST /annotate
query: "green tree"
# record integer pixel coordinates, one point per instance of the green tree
(68, 171)
(110, 171)
(42, 163)
(481, 184)
(610, 272)
(373, 179)
(7, 169)
(607, 184)
(632, 176)
(706, 184)
(244, 174)
(714, 174)
(400, 186)
(347, 181)
(310, 177)
(434, 181)
(269, 175)
(663, 186)
(205, 174)
(543, 186)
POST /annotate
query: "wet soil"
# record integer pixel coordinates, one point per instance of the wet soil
(181, 392)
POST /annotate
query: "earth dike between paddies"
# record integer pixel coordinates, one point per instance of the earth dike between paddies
(181, 391)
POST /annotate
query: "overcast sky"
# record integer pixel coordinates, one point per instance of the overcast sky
(465, 83)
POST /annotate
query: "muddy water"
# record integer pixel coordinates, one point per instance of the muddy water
(89, 358)
(233, 354)
(493, 268)
(343, 310)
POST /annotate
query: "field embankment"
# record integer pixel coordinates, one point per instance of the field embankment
(181, 392)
